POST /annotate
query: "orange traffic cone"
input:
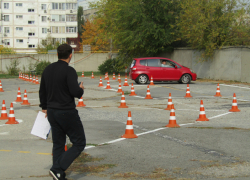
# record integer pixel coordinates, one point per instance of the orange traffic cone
(123, 103)
(22, 77)
(37, 82)
(119, 88)
(218, 91)
(12, 119)
(234, 105)
(113, 76)
(80, 103)
(1, 88)
(92, 76)
(172, 120)
(34, 79)
(202, 116)
(19, 75)
(151, 81)
(188, 95)
(169, 102)
(106, 76)
(108, 85)
(119, 78)
(4, 115)
(132, 90)
(19, 97)
(30, 78)
(83, 74)
(126, 82)
(25, 99)
(148, 96)
(65, 147)
(27, 78)
(129, 132)
(100, 83)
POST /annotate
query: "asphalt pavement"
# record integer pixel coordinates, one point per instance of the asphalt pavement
(214, 149)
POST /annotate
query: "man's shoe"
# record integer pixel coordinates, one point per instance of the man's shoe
(56, 176)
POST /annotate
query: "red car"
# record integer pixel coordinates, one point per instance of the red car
(161, 69)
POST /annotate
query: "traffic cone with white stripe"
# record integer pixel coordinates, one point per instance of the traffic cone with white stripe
(188, 95)
(22, 77)
(12, 119)
(92, 76)
(34, 79)
(172, 120)
(169, 102)
(82, 73)
(19, 97)
(106, 76)
(37, 82)
(27, 78)
(4, 115)
(25, 99)
(151, 81)
(148, 96)
(108, 85)
(132, 90)
(113, 76)
(129, 132)
(123, 103)
(80, 103)
(234, 105)
(19, 75)
(119, 78)
(119, 88)
(30, 78)
(126, 81)
(218, 91)
(202, 116)
(100, 83)
(1, 88)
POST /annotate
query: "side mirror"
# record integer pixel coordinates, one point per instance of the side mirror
(175, 67)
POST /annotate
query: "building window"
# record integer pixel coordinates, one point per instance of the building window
(71, 5)
(58, 18)
(31, 34)
(71, 29)
(43, 6)
(19, 4)
(59, 40)
(60, 6)
(19, 40)
(6, 5)
(44, 30)
(31, 46)
(31, 10)
(6, 18)
(58, 29)
(19, 28)
(44, 18)
(6, 29)
(31, 22)
(6, 42)
(71, 18)
(19, 16)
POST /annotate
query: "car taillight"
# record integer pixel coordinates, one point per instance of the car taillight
(134, 68)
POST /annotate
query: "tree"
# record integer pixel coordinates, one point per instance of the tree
(48, 44)
(80, 20)
(6, 50)
(210, 24)
(140, 28)
(95, 36)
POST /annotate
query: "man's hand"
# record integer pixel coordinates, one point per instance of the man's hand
(45, 111)
(81, 85)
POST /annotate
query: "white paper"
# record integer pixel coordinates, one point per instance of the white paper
(41, 126)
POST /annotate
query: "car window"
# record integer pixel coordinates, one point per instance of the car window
(133, 63)
(143, 62)
(153, 62)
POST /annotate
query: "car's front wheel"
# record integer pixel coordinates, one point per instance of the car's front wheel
(186, 79)
(142, 79)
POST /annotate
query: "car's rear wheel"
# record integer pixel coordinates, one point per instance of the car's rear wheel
(142, 79)
(186, 79)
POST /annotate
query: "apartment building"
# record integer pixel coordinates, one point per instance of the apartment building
(26, 23)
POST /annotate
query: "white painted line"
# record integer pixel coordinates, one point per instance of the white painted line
(19, 120)
(243, 100)
(88, 147)
(220, 115)
(150, 131)
(93, 106)
(185, 124)
(113, 141)
(33, 99)
(4, 133)
(3, 124)
(235, 86)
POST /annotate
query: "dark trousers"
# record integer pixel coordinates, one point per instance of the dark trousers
(65, 122)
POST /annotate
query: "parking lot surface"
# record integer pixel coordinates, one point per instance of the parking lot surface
(214, 149)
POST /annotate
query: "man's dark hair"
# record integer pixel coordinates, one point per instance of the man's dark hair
(64, 51)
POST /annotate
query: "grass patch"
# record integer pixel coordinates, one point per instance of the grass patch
(7, 76)
(222, 81)
(126, 93)
(98, 73)
(228, 128)
(80, 166)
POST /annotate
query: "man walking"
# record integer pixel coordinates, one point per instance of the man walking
(58, 89)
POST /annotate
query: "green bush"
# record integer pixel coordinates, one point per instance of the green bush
(112, 65)
(41, 66)
(13, 67)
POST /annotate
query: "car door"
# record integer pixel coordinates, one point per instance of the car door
(153, 69)
(171, 71)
